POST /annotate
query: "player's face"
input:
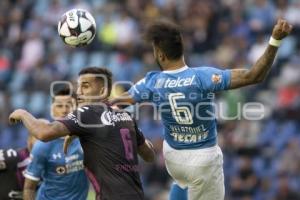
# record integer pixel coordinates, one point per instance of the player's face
(62, 106)
(89, 89)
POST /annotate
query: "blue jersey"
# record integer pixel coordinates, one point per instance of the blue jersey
(63, 176)
(184, 98)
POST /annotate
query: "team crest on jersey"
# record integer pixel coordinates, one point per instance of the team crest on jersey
(60, 170)
(216, 78)
(159, 83)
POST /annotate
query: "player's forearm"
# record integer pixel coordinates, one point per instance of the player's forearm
(37, 128)
(29, 194)
(260, 69)
(146, 151)
(257, 73)
(33, 125)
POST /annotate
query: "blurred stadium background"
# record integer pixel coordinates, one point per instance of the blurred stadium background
(262, 158)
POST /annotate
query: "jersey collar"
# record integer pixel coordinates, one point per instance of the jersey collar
(176, 70)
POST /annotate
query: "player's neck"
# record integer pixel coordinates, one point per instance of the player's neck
(174, 65)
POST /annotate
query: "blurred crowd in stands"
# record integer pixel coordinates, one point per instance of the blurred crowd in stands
(261, 158)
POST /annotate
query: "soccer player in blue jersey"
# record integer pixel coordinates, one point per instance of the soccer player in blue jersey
(62, 175)
(184, 98)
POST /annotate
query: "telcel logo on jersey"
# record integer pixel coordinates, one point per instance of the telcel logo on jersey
(172, 83)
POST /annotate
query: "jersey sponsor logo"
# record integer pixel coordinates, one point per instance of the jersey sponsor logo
(188, 134)
(189, 138)
(174, 83)
(72, 157)
(74, 166)
(2, 165)
(159, 83)
(109, 118)
(216, 78)
(70, 167)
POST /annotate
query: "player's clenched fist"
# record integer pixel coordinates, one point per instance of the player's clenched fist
(16, 116)
(281, 29)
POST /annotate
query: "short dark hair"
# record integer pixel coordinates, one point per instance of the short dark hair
(65, 91)
(99, 71)
(167, 37)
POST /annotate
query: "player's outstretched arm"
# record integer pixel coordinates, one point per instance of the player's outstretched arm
(259, 71)
(29, 189)
(39, 128)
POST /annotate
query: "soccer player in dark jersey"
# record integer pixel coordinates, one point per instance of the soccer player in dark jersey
(109, 137)
(12, 164)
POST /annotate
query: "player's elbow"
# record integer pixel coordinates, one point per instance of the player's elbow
(44, 135)
(258, 80)
(252, 78)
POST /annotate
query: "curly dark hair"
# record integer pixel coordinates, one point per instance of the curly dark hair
(167, 37)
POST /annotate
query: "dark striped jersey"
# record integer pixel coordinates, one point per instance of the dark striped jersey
(109, 139)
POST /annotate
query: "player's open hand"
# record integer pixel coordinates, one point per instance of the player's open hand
(16, 116)
(281, 29)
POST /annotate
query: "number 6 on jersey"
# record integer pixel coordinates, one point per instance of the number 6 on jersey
(181, 114)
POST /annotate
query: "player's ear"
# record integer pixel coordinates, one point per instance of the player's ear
(103, 92)
(160, 54)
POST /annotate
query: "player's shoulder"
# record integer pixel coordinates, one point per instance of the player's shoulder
(205, 69)
(42, 147)
(209, 73)
(80, 112)
(151, 75)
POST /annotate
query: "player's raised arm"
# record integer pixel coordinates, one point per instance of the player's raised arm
(259, 71)
(38, 128)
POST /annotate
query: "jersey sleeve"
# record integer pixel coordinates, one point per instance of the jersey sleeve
(38, 163)
(213, 79)
(79, 121)
(141, 91)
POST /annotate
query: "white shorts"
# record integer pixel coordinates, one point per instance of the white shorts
(201, 170)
